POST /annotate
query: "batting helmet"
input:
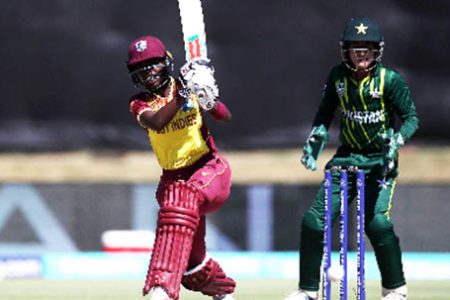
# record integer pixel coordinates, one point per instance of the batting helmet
(142, 54)
(361, 29)
(145, 48)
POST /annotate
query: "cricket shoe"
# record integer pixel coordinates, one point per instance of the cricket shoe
(158, 293)
(395, 294)
(302, 295)
(224, 297)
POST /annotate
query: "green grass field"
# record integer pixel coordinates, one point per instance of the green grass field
(247, 290)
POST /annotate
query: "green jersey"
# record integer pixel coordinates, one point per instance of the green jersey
(368, 107)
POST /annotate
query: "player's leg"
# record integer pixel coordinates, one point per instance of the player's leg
(177, 223)
(198, 252)
(380, 230)
(213, 180)
(204, 274)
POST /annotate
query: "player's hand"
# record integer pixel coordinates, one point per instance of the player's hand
(308, 161)
(198, 77)
(393, 142)
(188, 70)
(314, 145)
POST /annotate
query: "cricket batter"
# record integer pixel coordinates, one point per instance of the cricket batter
(369, 97)
(195, 179)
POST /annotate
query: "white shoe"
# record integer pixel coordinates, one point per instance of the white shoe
(395, 294)
(224, 297)
(158, 293)
(302, 295)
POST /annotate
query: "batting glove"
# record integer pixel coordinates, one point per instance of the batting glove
(308, 161)
(198, 77)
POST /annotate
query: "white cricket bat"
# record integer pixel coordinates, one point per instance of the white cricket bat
(193, 27)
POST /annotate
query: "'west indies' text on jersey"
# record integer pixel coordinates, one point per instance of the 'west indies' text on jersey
(185, 139)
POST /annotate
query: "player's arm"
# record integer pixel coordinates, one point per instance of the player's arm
(148, 118)
(400, 95)
(318, 138)
(403, 106)
(220, 112)
(328, 104)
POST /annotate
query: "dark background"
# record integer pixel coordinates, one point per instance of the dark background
(64, 84)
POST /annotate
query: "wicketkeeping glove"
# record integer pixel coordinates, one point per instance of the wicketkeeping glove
(314, 145)
(198, 77)
(393, 142)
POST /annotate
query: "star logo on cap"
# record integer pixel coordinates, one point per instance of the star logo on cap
(361, 29)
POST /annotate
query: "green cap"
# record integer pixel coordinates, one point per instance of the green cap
(361, 29)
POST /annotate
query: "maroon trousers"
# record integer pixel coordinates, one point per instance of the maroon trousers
(211, 175)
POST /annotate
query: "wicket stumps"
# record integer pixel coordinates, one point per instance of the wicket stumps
(343, 231)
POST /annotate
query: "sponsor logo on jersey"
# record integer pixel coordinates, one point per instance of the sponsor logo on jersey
(188, 104)
(364, 117)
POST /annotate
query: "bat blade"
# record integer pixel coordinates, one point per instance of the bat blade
(193, 26)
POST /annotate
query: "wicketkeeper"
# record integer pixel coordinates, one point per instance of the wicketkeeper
(369, 97)
(195, 179)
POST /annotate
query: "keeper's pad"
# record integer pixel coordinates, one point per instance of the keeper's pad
(178, 219)
(208, 278)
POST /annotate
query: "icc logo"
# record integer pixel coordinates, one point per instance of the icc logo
(376, 94)
(340, 89)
